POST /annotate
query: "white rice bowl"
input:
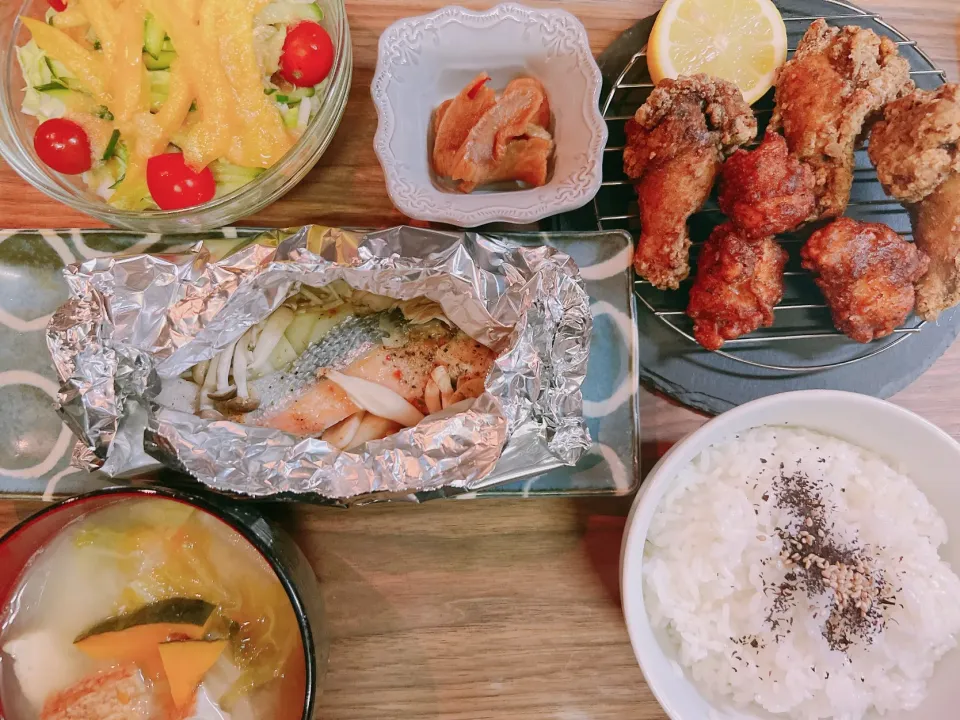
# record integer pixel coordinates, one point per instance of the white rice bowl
(702, 564)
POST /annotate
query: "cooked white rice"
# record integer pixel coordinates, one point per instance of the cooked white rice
(714, 547)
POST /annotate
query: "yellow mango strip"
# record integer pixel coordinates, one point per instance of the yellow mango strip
(209, 139)
(154, 131)
(120, 32)
(72, 17)
(103, 21)
(263, 139)
(86, 65)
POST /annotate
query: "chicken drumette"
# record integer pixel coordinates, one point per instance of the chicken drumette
(739, 281)
(838, 79)
(866, 272)
(676, 144)
(767, 191)
(916, 149)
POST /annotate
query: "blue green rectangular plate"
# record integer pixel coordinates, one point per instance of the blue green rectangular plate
(35, 447)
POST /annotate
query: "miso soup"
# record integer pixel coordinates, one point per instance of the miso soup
(150, 609)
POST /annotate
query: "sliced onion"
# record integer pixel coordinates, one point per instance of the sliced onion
(454, 409)
(341, 434)
(276, 326)
(442, 378)
(377, 399)
(373, 428)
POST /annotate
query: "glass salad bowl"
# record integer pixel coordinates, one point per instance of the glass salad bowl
(236, 196)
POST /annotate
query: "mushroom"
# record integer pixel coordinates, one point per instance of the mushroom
(225, 391)
(208, 386)
(199, 372)
(234, 398)
(241, 401)
(269, 336)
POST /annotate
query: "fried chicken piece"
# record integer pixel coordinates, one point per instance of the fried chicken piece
(767, 191)
(916, 150)
(676, 144)
(936, 228)
(739, 281)
(826, 93)
(866, 272)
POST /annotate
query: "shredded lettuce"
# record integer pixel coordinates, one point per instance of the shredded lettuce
(37, 72)
(33, 63)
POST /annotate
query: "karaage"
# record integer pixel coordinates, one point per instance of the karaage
(676, 144)
(739, 281)
(838, 79)
(866, 272)
(916, 149)
(767, 191)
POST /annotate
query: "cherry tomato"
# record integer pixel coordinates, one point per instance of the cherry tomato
(64, 146)
(58, 5)
(307, 55)
(175, 186)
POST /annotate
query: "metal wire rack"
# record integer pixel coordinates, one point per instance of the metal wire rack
(802, 315)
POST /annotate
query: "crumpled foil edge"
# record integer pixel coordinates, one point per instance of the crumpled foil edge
(133, 321)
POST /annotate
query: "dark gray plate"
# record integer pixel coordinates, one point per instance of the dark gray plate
(815, 356)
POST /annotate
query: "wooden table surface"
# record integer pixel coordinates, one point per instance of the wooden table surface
(502, 609)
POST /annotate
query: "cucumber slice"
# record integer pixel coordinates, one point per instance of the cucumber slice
(74, 101)
(288, 13)
(168, 45)
(162, 62)
(153, 37)
(295, 96)
(57, 69)
(111, 146)
(291, 116)
(47, 87)
(231, 177)
(159, 88)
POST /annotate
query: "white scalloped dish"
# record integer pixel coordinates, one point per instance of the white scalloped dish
(425, 60)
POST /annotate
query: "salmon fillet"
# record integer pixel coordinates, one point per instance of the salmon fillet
(404, 370)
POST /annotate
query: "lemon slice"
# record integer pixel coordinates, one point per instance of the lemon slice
(743, 41)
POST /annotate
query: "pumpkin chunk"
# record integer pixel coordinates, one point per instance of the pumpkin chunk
(133, 636)
(185, 663)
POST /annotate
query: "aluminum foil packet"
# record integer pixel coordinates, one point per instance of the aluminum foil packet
(135, 324)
